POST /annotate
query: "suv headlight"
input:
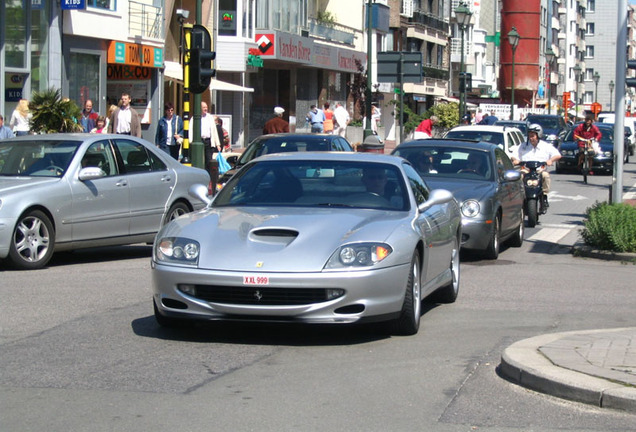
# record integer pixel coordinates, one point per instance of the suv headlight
(177, 250)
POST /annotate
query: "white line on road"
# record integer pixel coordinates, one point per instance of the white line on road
(551, 235)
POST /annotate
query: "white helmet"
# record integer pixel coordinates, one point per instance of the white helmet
(536, 129)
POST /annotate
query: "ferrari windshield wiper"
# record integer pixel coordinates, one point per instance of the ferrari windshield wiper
(330, 204)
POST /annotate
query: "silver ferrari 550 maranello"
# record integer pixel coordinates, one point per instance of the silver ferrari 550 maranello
(313, 238)
(71, 191)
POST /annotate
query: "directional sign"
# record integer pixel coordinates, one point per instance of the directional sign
(393, 65)
(73, 4)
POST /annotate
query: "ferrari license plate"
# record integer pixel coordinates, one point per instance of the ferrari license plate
(255, 280)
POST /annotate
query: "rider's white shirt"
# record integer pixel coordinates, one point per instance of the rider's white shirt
(541, 153)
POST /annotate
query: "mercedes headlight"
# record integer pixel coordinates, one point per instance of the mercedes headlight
(358, 255)
(177, 250)
(470, 208)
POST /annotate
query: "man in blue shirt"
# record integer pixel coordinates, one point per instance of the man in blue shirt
(5, 132)
(316, 117)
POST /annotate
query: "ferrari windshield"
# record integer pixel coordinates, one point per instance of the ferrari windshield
(38, 158)
(316, 184)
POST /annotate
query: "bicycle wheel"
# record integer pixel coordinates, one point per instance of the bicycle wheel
(585, 169)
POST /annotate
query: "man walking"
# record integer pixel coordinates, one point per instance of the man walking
(5, 132)
(125, 119)
(342, 118)
(316, 117)
(276, 124)
(89, 117)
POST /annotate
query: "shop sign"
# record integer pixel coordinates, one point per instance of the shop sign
(135, 54)
(125, 72)
(12, 94)
(73, 4)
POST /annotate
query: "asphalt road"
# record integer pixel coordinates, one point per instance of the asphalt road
(80, 350)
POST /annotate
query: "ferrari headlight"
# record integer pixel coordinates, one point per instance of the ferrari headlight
(177, 250)
(359, 255)
(470, 208)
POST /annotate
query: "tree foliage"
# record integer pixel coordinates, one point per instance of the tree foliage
(52, 114)
(448, 114)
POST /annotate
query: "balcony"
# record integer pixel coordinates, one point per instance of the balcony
(332, 32)
(145, 21)
(428, 20)
(435, 72)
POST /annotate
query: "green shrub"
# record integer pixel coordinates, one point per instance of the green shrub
(53, 114)
(610, 227)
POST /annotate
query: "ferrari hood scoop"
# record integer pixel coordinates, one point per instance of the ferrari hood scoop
(273, 235)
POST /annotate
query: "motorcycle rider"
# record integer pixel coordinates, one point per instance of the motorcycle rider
(583, 132)
(535, 149)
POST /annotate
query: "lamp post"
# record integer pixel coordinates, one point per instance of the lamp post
(611, 86)
(462, 15)
(596, 78)
(513, 40)
(577, 73)
(549, 56)
(367, 130)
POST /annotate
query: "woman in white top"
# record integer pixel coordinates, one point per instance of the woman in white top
(20, 118)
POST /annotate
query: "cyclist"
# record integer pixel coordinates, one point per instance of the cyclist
(535, 149)
(585, 132)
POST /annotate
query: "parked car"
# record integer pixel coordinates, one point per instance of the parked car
(484, 181)
(70, 191)
(284, 143)
(629, 122)
(602, 162)
(507, 138)
(522, 125)
(314, 238)
(554, 127)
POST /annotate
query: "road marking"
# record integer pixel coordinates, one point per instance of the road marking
(564, 226)
(554, 196)
(551, 235)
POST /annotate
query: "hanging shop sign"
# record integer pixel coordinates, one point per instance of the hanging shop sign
(135, 54)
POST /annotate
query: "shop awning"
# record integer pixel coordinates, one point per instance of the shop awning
(219, 85)
(452, 99)
(173, 70)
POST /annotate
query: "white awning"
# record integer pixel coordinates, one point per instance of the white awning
(218, 85)
(174, 70)
(452, 99)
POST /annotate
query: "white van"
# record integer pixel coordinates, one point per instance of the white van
(630, 122)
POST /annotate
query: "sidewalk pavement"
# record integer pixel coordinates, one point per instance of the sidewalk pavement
(597, 367)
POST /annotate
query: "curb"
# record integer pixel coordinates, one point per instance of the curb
(523, 364)
(581, 250)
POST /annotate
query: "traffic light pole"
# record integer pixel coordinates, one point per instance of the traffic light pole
(186, 96)
(197, 152)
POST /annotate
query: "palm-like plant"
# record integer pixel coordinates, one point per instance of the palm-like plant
(52, 114)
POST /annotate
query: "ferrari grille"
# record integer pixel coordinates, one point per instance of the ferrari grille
(265, 296)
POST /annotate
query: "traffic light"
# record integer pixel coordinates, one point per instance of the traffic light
(631, 82)
(465, 81)
(201, 70)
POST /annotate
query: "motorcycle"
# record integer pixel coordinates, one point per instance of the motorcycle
(536, 202)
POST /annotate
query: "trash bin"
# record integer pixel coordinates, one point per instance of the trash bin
(371, 144)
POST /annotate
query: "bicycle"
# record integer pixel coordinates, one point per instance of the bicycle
(587, 153)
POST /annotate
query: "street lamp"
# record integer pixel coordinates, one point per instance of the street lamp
(462, 15)
(513, 40)
(611, 86)
(549, 56)
(596, 78)
(577, 73)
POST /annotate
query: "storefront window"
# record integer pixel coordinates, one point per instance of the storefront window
(39, 46)
(15, 36)
(101, 4)
(83, 78)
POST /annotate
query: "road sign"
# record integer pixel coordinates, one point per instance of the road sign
(393, 64)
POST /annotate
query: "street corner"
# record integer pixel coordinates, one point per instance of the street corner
(531, 363)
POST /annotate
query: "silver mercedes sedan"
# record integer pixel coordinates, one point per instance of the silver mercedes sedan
(71, 191)
(313, 238)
